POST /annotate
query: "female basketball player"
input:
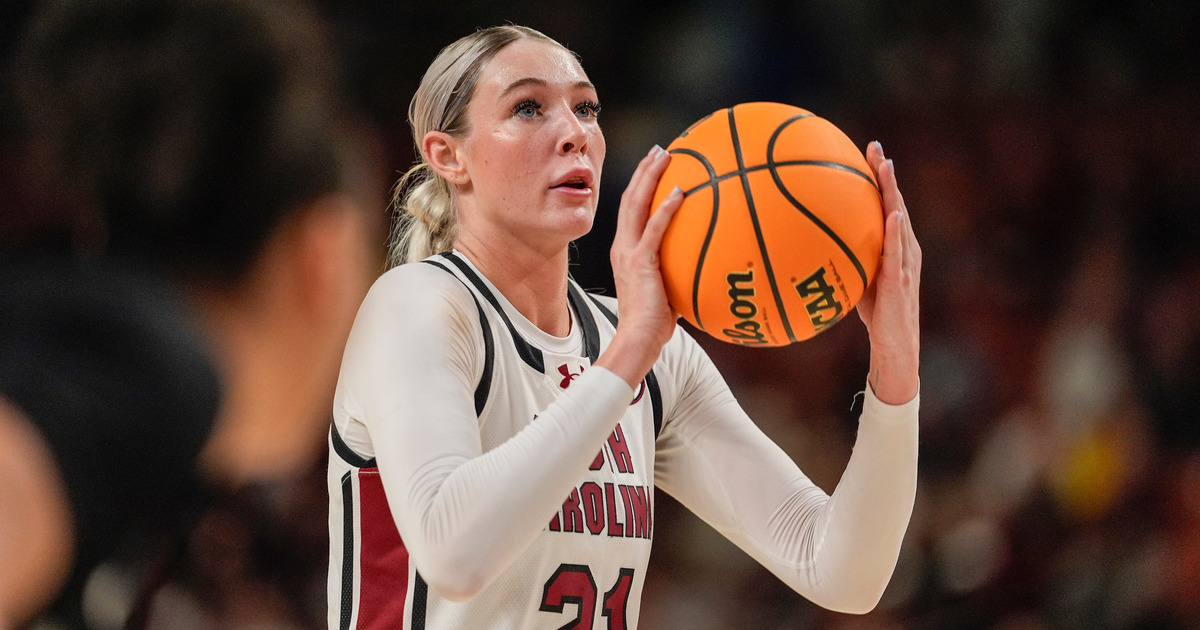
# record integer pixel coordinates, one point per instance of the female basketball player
(499, 434)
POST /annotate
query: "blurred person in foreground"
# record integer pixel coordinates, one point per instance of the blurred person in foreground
(173, 313)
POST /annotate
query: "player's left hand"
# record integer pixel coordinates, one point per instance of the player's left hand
(890, 308)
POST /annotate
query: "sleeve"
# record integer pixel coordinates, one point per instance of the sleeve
(837, 550)
(408, 375)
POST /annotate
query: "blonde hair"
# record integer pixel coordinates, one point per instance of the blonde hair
(425, 219)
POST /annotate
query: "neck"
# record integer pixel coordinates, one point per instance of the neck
(264, 430)
(533, 281)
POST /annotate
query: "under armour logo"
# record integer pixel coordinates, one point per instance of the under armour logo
(567, 375)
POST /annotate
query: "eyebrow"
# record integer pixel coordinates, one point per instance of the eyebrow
(541, 83)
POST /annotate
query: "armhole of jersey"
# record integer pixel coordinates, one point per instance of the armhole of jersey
(345, 452)
(651, 380)
(484, 387)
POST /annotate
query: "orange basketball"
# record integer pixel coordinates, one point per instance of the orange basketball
(781, 227)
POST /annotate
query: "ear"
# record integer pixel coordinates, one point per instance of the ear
(444, 154)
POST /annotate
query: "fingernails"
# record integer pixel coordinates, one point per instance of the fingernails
(654, 151)
(892, 165)
(678, 192)
(879, 145)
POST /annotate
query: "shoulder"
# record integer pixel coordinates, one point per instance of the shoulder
(414, 304)
(608, 301)
(418, 281)
(607, 305)
(418, 288)
(682, 354)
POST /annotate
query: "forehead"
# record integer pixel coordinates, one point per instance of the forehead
(530, 59)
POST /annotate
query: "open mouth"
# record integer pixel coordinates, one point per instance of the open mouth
(577, 183)
(576, 179)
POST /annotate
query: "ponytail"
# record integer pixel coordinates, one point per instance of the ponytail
(425, 220)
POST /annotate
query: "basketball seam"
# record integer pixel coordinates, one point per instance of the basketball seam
(712, 226)
(772, 167)
(762, 167)
(762, 246)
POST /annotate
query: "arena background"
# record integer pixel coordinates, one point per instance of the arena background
(1047, 152)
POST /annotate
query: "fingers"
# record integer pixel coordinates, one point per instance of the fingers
(657, 225)
(874, 155)
(635, 201)
(893, 198)
(893, 243)
(885, 173)
(893, 201)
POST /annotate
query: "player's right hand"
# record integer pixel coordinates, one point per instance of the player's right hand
(647, 319)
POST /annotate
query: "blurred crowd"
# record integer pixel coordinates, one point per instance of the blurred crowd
(1043, 147)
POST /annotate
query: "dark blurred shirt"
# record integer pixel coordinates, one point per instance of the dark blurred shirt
(109, 365)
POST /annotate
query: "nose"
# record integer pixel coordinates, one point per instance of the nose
(575, 135)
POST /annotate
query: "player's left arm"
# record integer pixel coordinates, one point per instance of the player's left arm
(837, 550)
(891, 306)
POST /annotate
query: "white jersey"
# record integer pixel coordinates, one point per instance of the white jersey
(484, 475)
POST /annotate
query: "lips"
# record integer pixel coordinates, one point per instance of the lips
(577, 179)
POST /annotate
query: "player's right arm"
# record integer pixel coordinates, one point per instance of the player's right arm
(408, 375)
(35, 521)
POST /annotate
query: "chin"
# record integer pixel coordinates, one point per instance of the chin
(581, 221)
(571, 221)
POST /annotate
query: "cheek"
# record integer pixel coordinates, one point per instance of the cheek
(507, 159)
(599, 149)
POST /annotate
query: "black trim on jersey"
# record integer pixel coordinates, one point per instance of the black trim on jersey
(656, 405)
(347, 550)
(420, 595)
(484, 387)
(346, 453)
(529, 354)
(609, 315)
(655, 401)
(591, 334)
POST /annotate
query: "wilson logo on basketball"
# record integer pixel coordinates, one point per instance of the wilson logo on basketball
(821, 302)
(741, 288)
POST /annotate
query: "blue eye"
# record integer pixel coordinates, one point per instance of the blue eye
(527, 108)
(588, 109)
